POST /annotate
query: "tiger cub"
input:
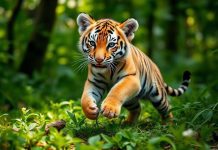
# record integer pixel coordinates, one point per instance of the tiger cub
(117, 66)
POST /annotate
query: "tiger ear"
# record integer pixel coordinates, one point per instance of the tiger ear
(84, 21)
(129, 27)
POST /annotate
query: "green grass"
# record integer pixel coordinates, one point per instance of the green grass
(195, 122)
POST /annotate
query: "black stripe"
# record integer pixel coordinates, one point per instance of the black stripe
(142, 88)
(185, 83)
(98, 27)
(156, 104)
(173, 93)
(109, 31)
(95, 94)
(89, 34)
(101, 94)
(98, 30)
(113, 55)
(179, 92)
(95, 84)
(129, 104)
(163, 110)
(118, 37)
(121, 68)
(93, 73)
(120, 53)
(121, 44)
(134, 107)
(101, 75)
(100, 81)
(155, 93)
(131, 74)
(182, 87)
(125, 46)
(141, 93)
(83, 43)
(168, 88)
(160, 98)
(112, 74)
(186, 75)
(112, 29)
(151, 88)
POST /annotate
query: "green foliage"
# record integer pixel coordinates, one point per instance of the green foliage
(193, 129)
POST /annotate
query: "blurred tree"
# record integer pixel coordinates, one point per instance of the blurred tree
(10, 29)
(36, 48)
(172, 27)
(150, 25)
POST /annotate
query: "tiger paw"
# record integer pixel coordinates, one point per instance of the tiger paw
(110, 110)
(91, 111)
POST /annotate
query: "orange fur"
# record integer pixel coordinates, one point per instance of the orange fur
(115, 62)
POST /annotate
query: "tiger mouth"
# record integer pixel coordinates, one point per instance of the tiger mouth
(99, 66)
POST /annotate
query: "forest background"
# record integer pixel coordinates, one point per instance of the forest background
(39, 67)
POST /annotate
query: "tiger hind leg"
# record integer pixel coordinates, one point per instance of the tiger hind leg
(160, 102)
(134, 112)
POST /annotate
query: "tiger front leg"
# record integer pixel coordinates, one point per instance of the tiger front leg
(91, 95)
(90, 108)
(125, 89)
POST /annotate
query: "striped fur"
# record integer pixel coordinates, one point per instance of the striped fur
(183, 87)
(117, 66)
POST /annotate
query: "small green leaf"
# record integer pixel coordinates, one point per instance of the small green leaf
(107, 146)
(77, 140)
(73, 117)
(107, 138)
(157, 140)
(94, 139)
(32, 126)
(197, 115)
(31, 115)
(207, 115)
(3, 115)
(118, 137)
(126, 134)
(19, 120)
(81, 122)
(24, 110)
(128, 147)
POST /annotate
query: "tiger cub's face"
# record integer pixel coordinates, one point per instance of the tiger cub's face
(105, 41)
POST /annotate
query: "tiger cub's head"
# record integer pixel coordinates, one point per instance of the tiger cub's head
(105, 41)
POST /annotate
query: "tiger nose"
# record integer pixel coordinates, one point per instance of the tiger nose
(99, 60)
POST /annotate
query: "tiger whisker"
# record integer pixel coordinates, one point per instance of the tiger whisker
(81, 67)
(76, 63)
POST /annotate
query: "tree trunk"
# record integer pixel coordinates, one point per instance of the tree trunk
(150, 25)
(172, 27)
(36, 48)
(10, 30)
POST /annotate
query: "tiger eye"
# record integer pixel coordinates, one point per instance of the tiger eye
(92, 43)
(111, 44)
